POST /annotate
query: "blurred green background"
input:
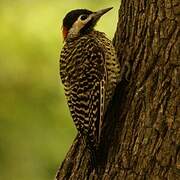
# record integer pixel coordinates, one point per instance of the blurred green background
(36, 129)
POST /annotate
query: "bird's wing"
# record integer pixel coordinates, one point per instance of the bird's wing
(102, 104)
(87, 93)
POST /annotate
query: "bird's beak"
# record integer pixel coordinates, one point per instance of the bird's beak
(98, 14)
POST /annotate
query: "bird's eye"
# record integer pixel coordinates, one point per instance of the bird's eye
(83, 17)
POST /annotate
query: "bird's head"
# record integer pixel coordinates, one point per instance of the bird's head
(81, 21)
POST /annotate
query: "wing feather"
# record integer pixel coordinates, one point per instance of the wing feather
(86, 88)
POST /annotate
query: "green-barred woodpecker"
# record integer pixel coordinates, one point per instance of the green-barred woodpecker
(89, 71)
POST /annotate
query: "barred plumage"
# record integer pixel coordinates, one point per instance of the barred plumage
(89, 71)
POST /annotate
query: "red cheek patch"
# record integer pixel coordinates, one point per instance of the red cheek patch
(65, 32)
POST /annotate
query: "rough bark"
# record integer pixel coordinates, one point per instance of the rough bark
(141, 136)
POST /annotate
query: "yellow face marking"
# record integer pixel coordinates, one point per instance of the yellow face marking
(78, 25)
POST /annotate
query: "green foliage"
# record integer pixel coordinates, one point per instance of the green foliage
(36, 129)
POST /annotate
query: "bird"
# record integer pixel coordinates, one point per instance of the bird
(89, 71)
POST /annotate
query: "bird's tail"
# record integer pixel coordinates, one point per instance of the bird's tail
(93, 155)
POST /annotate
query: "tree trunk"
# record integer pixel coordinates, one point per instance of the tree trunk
(141, 136)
